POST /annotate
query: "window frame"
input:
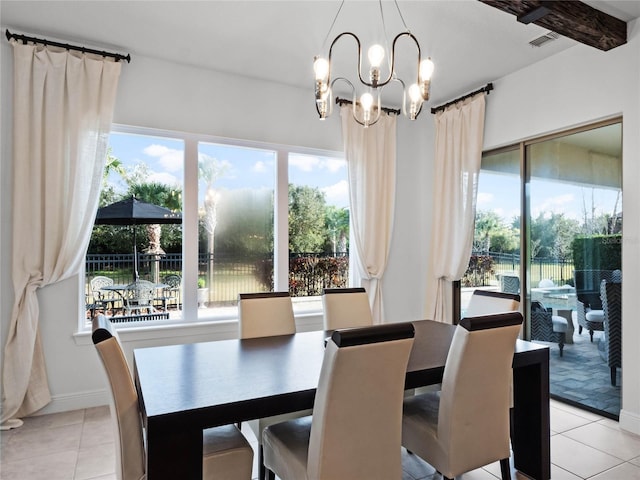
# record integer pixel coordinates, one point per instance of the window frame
(191, 142)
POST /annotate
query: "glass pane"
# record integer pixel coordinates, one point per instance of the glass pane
(150, 168)
(575, 185)
(495, 258)
(235, 211)
(318, 228)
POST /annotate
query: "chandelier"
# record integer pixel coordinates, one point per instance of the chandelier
(413, 96)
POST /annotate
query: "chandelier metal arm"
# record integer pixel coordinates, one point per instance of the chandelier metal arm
(392, 57)
(355, 37)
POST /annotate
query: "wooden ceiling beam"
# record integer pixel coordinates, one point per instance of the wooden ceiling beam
(572, 19)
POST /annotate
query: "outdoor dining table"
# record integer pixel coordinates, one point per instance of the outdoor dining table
(183, 389)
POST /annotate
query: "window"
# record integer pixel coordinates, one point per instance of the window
(255, 217)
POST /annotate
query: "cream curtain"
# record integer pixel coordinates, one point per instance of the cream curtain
(371, 161)
(458, 152)
(63, 106)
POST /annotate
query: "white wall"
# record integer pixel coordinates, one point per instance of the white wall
(166, 96)
(579, 86)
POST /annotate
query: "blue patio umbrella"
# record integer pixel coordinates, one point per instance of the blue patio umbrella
(132, 212)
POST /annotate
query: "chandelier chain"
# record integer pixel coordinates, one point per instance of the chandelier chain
(324, 43)
(401, 17)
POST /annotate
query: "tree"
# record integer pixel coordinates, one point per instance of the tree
(210, 170)
(552, 234)
(493, 235)
(337, 226)
(157, 194)
(306, 219)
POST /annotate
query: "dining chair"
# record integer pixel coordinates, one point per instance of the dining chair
(355, 429)
(226, 452)
(266, 314)
(346, 307)
(465, 425)
(484, 302)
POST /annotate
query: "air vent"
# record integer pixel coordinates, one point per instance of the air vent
(547, 37)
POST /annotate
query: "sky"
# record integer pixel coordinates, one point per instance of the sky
(501, 194)
(255, 168)
(244, 167)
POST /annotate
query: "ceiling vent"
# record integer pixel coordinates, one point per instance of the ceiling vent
(547, 37)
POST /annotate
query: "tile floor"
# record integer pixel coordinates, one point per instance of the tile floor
(78, 445)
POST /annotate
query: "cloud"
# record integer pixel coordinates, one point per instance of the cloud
(165, 178)
(557, 204)
(484, 198)
(305, 163)
(172, 160)
(337, 194)
(259, 167)
(334, 164)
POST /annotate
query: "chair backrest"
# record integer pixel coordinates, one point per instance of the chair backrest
(587, 284)
(97, 283)
(346, 307)
(265, 314)
(360, 390)
(475, 396)
(173, 281)
(124, 401)
(142, 292)
(611, 293)
(484, 302)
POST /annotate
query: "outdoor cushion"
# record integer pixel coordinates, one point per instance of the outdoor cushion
(559, 323)
(595, 316)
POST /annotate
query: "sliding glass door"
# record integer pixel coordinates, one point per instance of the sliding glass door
(549, 227)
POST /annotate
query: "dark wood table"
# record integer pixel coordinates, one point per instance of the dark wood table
(184, 389)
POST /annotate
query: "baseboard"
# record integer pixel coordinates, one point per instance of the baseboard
(77, 401)
(630, 421)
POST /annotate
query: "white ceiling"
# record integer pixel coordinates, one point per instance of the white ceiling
(470, 43)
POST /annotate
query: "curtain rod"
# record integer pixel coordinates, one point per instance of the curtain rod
(487, 88)
(24, 39)
(342, 101)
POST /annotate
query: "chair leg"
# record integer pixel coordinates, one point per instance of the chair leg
(591, 335)
(579, 329)
(505, 469)
(613, 376)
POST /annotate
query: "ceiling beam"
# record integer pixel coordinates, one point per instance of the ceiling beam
(572, 19)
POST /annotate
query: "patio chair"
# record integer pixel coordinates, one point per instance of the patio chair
(610, 345)
(140, 296)
(591, 320)
(171, 294)
(102, 300)
(547, 327)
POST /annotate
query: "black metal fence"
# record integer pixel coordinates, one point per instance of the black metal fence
(483, 269)
(225, 276)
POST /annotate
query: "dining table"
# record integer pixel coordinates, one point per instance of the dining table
(186, 388)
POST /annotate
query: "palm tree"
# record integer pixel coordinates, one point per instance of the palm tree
(210, 170)
(157, 194)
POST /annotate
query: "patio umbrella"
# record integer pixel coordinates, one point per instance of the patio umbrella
(134, 212)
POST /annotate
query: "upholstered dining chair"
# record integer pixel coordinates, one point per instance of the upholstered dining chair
(484, 302)
(266, 314)
(346, 307)
(466, 425)
(226, 452)
(355, 429)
